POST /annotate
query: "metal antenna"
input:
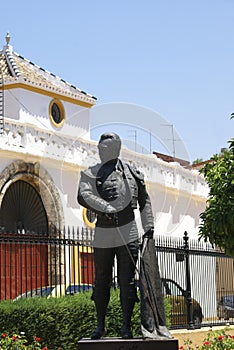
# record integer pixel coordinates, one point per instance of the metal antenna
(135, 138)
(173, 138)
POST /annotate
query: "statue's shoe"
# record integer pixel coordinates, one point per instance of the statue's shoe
(164, 332)
(98, 334)
(126, 333)
(150, 334)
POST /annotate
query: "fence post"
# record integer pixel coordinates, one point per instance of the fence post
(188, 283)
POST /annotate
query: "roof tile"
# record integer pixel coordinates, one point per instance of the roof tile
(15, 68)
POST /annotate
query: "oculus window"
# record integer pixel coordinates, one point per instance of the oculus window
(56, 113)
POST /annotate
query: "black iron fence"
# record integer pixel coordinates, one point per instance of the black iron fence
(197, 279)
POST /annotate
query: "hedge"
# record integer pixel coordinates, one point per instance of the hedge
(61, 322)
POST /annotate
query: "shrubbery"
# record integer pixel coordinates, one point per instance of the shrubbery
(215, 340)
(61, 322)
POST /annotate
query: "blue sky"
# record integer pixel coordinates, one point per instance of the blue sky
(175, 58)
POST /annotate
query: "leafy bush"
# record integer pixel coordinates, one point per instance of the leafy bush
(215, 340)
(19, 342)
(61, 322)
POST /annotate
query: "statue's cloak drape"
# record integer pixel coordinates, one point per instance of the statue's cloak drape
(153, 319)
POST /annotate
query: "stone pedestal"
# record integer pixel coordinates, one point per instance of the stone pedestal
(127, 344)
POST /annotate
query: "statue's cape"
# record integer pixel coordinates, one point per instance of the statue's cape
(153, 319)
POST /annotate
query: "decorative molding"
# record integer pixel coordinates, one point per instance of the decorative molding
(76, 152)
(48, 91)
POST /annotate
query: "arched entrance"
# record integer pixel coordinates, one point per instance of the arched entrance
(22, 210)
(39, 178)
(29, 206)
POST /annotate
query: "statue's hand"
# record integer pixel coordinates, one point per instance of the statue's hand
(110, 213)
(110, 209)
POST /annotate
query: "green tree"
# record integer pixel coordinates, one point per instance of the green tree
(217, 224)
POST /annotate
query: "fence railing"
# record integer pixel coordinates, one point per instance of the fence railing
(195, 276)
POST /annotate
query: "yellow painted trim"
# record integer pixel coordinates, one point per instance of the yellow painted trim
(47, 93)
(62, 112)
(86, 220)
(76, 267)
(88, 250)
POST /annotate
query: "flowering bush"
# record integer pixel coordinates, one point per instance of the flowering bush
(18, 342)
(219, 340)
(215, 340)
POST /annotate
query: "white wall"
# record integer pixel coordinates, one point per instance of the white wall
(178, 195)
(32, 108)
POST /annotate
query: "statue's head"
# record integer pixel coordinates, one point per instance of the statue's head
(109, 147)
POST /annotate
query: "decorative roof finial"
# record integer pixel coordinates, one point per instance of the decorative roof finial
(8, 38)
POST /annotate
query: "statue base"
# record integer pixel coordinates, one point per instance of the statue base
(127, 344)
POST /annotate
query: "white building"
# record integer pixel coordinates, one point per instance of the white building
(45, 143)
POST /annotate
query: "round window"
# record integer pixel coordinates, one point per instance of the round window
(57, 113)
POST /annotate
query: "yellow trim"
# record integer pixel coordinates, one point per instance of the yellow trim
(85, 249)
(76, 267)
(86, 220)
(61, 110)
(47, 93)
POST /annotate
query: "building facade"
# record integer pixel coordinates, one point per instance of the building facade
(45, 143)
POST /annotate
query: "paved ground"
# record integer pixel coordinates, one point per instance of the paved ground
(197, 336)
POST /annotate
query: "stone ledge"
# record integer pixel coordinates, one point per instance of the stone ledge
(127, 344)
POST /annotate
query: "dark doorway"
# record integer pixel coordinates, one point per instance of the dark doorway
(23, 253)
(22, 210)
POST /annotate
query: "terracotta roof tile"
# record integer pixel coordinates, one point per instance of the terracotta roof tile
(15, 68)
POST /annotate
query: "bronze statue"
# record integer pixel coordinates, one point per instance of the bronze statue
(113, 189)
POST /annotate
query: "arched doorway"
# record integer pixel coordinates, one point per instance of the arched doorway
(38, 177)
(22, 210)
(31, 213)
